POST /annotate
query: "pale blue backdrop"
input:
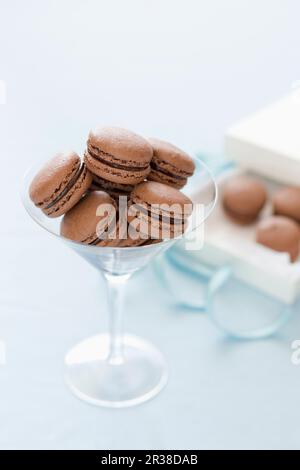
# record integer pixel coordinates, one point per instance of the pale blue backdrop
(179, 70)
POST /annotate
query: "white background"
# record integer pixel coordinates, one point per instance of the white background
(179, 70)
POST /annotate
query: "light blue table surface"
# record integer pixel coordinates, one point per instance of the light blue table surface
(179, 73)
(221, 393)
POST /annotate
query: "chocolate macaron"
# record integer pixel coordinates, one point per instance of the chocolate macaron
(169, 164)
(93, 216)
(158, 211)
(280, 234)
(118, 155)
(60, 184)
(243, 199)
(115, 190)
(286, 202)
(121, 238)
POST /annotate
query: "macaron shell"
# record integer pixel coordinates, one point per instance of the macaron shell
(115, 175)
(122, 144)
(280, 234)
(121, 242)
(156, 224)
(152, 192)
(173, 214)
(286, 202)
(244, 196)
(80, 223)
(53, 178)
(156, 175)
(113, 189)
(75, 193)
(241, 219)
(171, 158)
(158, 229)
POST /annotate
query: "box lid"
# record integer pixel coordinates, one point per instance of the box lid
(268, 142)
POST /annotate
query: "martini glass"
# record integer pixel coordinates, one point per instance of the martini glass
(116, 369)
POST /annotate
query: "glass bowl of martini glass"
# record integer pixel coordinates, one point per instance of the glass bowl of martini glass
(116, 369)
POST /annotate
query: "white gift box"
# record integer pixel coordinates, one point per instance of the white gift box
(266, 145)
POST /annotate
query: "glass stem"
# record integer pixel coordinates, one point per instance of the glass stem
(115, 290)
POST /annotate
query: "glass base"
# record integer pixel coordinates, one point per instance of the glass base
(141, 374)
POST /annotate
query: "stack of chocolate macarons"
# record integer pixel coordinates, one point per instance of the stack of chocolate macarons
(243, 200)
(117, 162)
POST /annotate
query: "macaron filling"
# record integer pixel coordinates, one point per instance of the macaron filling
(56, 193)
(159, 216)
(112, 191)
(68, 187)
(173, 177)
(105, 158)
(116, 189)
(158, 165)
